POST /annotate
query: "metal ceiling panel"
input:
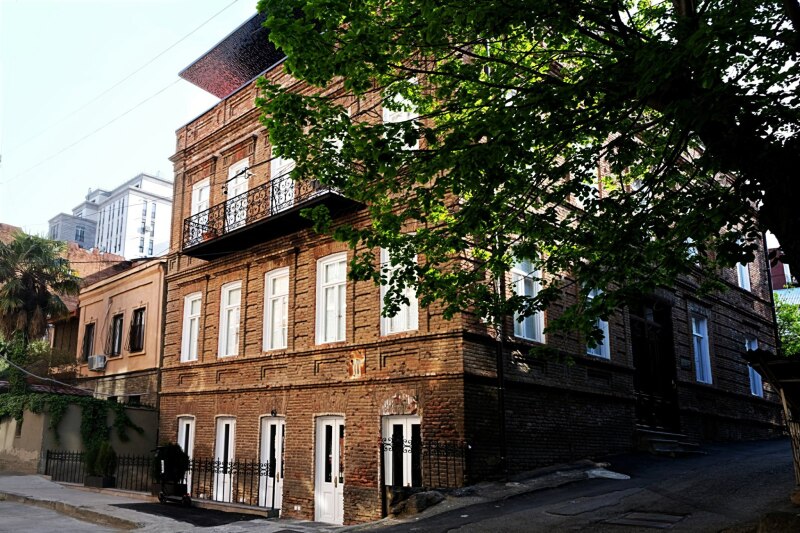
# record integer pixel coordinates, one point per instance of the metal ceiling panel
(234, 61)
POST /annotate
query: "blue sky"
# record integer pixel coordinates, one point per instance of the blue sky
(58, 55)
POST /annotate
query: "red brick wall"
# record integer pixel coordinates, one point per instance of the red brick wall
(556, 411)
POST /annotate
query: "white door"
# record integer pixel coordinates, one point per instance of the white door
(236, 205)
(270, 489)
(200, 203)
(402, 451)
(186, 442)
(223, 454)
(281, 184)
(329, 466)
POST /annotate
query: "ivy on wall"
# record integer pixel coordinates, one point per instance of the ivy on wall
(93, 414)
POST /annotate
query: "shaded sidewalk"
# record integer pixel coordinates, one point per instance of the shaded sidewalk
(117, 509)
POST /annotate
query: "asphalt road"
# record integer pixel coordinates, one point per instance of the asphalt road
(733, 485)
(18, 517)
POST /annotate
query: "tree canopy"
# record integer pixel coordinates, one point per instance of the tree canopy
(32, 276)
(614, 142)
(788, 319)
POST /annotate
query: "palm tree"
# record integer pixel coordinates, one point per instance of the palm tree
(33, 274)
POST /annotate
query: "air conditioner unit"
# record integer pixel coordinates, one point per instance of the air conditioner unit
(97, 362)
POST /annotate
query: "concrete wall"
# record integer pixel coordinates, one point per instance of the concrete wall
(26, 453)
(20, 454)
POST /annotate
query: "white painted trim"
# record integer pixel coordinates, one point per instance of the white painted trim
(267, 326)
(185, 338)
(224, 327)
(320, 301)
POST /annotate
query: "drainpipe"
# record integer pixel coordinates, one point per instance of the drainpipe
(163, 268)
(501, 383)
(771, 294)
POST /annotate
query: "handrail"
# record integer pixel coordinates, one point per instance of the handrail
(266, 200)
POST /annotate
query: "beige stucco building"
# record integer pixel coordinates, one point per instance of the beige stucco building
(119, 334)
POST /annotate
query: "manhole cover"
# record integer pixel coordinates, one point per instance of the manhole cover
(651, 520)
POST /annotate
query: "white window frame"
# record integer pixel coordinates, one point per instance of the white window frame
(395, 117)
(224, 327)
(756, 383)
(199, 205)
(592, 188)
(281, 167)
(340, 296)
(237, 184)
(407, 318)
(700, 344)
(535, 322)
(270, 299)
(602, 349)
(743, 275)
(238, 178)
(189, 318)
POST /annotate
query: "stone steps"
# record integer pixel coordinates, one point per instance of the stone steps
(658, 442)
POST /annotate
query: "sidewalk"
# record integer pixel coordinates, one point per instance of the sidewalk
(102, 507)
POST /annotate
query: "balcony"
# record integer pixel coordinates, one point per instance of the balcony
(262, 213)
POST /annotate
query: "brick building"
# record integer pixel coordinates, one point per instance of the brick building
(270, 352)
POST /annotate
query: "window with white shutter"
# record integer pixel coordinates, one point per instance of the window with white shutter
(230, 304)
(331, 298)
(276, 309)
(407, 318)
(525, 282)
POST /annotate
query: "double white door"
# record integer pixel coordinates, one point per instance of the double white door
(236, 205)
(270, 490)
(329, 467)
(223, 454)
(186, 442)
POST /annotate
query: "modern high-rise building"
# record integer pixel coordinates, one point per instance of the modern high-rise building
(131, 220)
(79, 227)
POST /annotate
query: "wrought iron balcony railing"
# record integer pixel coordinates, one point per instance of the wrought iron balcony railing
(259, 203)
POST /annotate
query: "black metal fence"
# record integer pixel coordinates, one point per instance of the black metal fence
(134, 472)
(65, 466)
(410, 463)
(428, 464)
(245, 482)
(268, 199)
(240, 481)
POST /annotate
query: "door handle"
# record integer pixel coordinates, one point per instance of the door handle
(335, 481)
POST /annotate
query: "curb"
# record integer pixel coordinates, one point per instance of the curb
(74, 511)
(130, 494)
(509, 491)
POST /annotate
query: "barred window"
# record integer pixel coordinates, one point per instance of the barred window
(88, 342)
(136, 339)
(114, 346)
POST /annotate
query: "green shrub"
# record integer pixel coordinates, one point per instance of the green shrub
(101, 460)
(90, 459)
(106, 460)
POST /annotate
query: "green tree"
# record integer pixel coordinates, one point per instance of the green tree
(32, 276)
(690, 110)
(788, 316)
